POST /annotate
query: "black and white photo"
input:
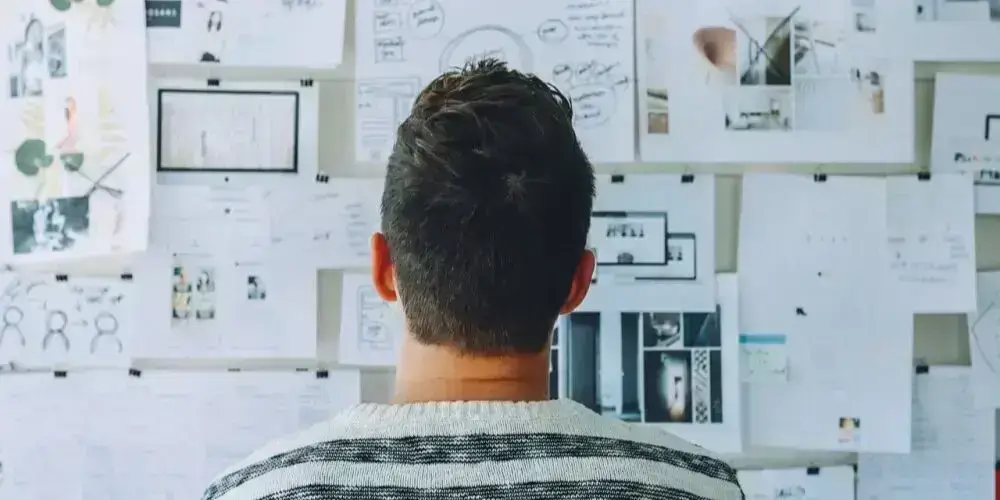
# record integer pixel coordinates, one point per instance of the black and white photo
(629, 238)
(50, 225)
(667, 386)
(764, 46)
(818, 48)
(28, 65)
(57, 52)
(759, 108)
(256, 290)
(660, 330)
(203, 298)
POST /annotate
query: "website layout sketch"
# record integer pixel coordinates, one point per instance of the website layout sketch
(227, 131)
(637, 246)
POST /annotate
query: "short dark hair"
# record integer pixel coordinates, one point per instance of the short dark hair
(486, 210)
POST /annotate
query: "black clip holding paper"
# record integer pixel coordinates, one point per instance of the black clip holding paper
(812, 471)
(322, 373)
(133, 372)
(818, 177)
(306, 82)
(687, 178)
(213, 82)
(59, 373)
(921, 369)
(126, 276)
(923, 175)
(322, 178)
(62, 278)
(617, 178)
(233, 370)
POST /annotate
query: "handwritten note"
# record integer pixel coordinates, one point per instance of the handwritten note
(584, 48)
(932, 247)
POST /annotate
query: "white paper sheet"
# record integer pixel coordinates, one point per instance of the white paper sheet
(815, 483)
(212, 305)
(932, 242)
(67, 321)
(952, 454)
(654, 237)
(667, 367)
(584, 48)
(76, 131)
(108, 436)
(837, 396)
(984, 341)
(370, 328)
(966, 133)
(778, 81)
(230, 221)
(306, 34)
(327, 225)
(955, 30)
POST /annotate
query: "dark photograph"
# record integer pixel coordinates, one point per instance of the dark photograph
(255, 288)
(667, 386)
(52, 225)
(715, 358)
(765, 50)
(581, 344)
(631, 405)
(660, 330)
(57, 52)
(702, 329)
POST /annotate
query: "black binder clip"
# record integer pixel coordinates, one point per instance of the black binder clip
(213, 82)
(812, 471)
(323, 178)
(62, 278)
(922, 369)
(126, 276)
(617, 178)
(233, 370)
(687, 178)
(924, 176)
(322, 374)
(132, 372)
(819, 177)
(59, 374)
(306, 82)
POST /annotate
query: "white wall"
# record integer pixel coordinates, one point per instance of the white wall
(940, 339)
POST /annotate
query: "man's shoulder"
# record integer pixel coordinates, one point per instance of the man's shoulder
(446, 457)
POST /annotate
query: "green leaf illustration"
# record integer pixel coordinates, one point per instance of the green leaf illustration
(61, 5)
(31, 156)
(105, 3)
(72, 161)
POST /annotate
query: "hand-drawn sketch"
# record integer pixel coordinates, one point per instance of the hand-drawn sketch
(106, 331)
(281, 33)
(382, 105)
(78, 186)
(583, 49)
(374, 326)
(56, 322)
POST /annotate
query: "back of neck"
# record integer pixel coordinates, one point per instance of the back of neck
(433, 373)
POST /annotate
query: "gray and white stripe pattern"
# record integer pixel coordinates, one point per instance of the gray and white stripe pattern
(508, 465)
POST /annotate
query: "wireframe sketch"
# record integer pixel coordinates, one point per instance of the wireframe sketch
(193, 295)
(958, 10)
(375, 324)
(637, 238)
(488, 41)
(256, 290)
(764, 47)
(383, 104)
(77, 123)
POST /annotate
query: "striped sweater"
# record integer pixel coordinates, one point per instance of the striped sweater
(478, 450)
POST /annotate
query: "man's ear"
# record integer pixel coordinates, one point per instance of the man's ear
(383, 275)
(581, 282)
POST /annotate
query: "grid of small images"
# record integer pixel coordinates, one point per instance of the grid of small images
(793, 71)
(656, 367)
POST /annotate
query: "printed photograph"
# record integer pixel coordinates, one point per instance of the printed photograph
(812, 104)
(667, 386)
(57, 52)
(702, 329)
(50, 225)
(761, 108)
(958, 10)
(764, 50)
(715, 377)
(869, 83)
(657, 116)
(582, 344)
(193, 293)
(255, 288)
(660, 330)
(716, 49)
(629, 404)
(850, 430)
(818, 47)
